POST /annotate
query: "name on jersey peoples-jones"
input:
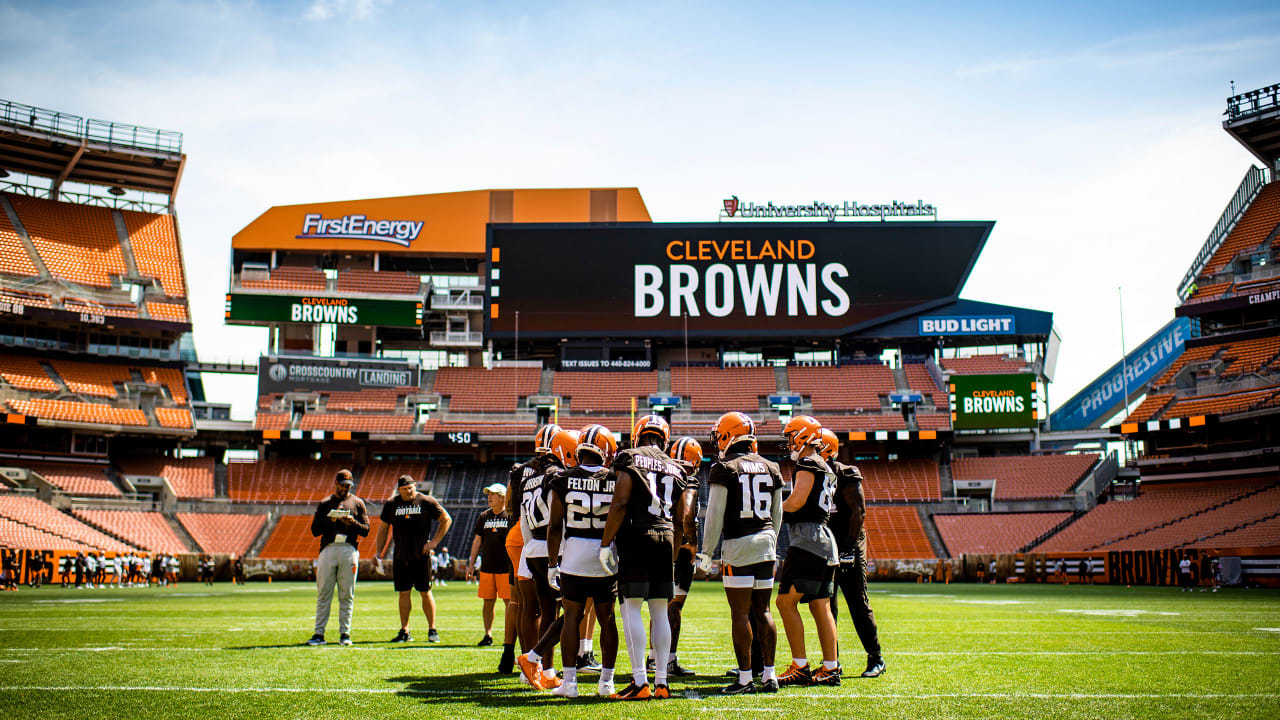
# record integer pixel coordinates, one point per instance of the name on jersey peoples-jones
(590, 484)
(644, 462)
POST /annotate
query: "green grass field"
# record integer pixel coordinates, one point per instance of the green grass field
(958, 651)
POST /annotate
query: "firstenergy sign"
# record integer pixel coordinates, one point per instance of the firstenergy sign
(650, 280)
(359, 227)
(988, 402)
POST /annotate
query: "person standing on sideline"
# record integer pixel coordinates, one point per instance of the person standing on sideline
(489, 545)
(340, 520)
(409, 516)
(1184, 574)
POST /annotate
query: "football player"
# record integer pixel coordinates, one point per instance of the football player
(647, 481)
(577, 564)
(687, 453)
(847, 522)
(745, 503)
(808, 573)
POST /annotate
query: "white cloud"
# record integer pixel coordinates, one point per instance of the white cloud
(357, 9)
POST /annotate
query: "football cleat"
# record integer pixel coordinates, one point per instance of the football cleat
(433, 636)
(507, 664)
(675, 669)
(738, 688)
(344, 640)
(551, 682)
(661, 692)
(530, 671)
(317, 639)
(485, 641)
(587, 663)
(567, 689)
(633, 692)
(769, 686)
(796, 675)
(402, 637)
(605, 688)
(875, 667)
(650, 665)
(827, 677)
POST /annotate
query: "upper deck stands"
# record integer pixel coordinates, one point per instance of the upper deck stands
(984, 365)
(720, 390)
(1253, 228)
(849, 387)
(70, 411)
(897, 480)
(77, 243)
(282, 480)
(1026, 477)
(985, 533)
(605, 392)
(154, 240)
(189, 477)
(14, 258)
(479, 390)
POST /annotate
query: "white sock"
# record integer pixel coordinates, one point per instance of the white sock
(768, 673)
(830, 664)
(551, 672)
(660, 629)
(800, 662)
(534, 657)
(606, 675)
(571, 674)
(744, 677)
(584, 646)
(633, 629)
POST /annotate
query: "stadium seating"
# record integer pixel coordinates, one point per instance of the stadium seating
(173, 417)
(42, 516)
(378, 481)
(841, 424)
(1250, 356)
(1189, 356)
(288, 278)
(1157, 505)
(374, 399)
(383, 281)
(384, 424)
(147, 530)
(1241, 511)
(70, 411)
(97, 380)
(606, 392)
(271, 421)
(1258, 221)
(171, 378)
(1025, 477)
(14, 258)
(993, 532)
(292, 539)
(895, 533)
(26, 299)
(919, 379)
(896, 480)
(75, 478)
(189, 477)
(230, 533)
(24, 537)
(1150, 406)
(473, 389)
(281, 480)
(836, 389)
(1205, 293)
(76, 242)
(167, 312)
(984, 365)
(933, 421)
(1224, 404)
(93, 307)
(26, 373)
(720, 390)
(154, 241)
(1264, 533)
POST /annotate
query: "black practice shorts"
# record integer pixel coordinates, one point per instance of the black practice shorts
(412, 574)
(579, 588)
(806, 573)
(684, 571)
(645, 570)
(538, 569)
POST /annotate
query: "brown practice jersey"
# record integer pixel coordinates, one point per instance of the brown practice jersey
(656, 483)
(846, 476)
(820, 502)
(751, 481)
(586, 495)
(532, 485)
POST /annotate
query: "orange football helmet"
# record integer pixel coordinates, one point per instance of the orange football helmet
(564, 446)
(598, 440)
(687, 453)
(731, 429)
(829, 445)
(802, 431)
(652, 424)
(542, 438)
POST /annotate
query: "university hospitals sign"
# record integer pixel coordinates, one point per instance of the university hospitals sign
(736, 209)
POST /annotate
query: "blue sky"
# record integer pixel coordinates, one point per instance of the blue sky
(1091, 134)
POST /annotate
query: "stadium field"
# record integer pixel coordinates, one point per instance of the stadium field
(957, 651)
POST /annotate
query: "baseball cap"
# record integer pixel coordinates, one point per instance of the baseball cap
(497, 489)
(404, 480)
(344, 477)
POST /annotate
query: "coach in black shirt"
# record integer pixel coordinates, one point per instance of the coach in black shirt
(410, 515)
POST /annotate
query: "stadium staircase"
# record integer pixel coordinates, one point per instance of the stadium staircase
(664, 382)
(781, 380)
(546, 383)
(931, 532)
(900, 380)
(946, 484)
(268, 527)
(126, 245)
(102, 529)
(1199, 511)
(220, 479)
(21, 231)
(1052, 531)
(62, 384)
(183, 535)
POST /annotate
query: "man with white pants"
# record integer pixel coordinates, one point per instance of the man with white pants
(339, 522)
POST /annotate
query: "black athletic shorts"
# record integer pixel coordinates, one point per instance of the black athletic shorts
(807, 573)
(645, 570)
(413, 574)
(684, 571)
(538, 569)
(579, 588)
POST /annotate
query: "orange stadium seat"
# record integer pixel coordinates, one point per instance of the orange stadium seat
(271, 421)
(378, 481)
(154, 240)
(984, 365)
(719, 390)
(189, 477)
(98, 380)
(14, 534)
(167, 312)
(147, 530)
(987, 533)
(281, 480)
(1188, 531)
(1209, 292)
(1250, 356)
(230, 533)
(70, 411)
(14, 258)
(1150, 406)
(600, 392)
(843, 388)
(76, 242)
(26, 299)
(1026, 477)
(42, 516)
(1264, 533)
(867, 422)
(1258, 221)
(383, 424)
(894, 480)
(376, 399)
(1224, 404)
(292, 538)
(472, 389)
(75, 478)
(173, 417)
(358, 280)
(895, 533)
(919, 379)
(26, 373)
(96, 308)
(289, 278)
(172, 378)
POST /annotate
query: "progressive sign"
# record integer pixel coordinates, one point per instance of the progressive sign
(721, 279)
(990, 402)
(244, 307)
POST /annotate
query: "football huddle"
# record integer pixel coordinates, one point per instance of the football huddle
(599, 524)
